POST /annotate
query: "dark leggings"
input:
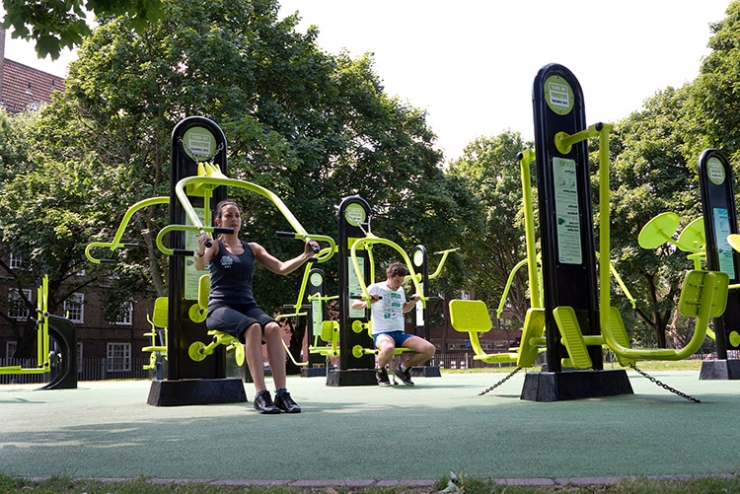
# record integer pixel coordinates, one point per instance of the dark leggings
(235, 319)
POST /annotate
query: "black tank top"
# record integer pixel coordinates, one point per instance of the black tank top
(231, 276)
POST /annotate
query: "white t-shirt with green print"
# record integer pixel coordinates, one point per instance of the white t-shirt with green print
(387, 313)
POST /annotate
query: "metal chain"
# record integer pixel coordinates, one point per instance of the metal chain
(369, 219)
(193, 155)
(663, 385)
(502, 381)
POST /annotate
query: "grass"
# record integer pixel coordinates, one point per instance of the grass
(465, 485)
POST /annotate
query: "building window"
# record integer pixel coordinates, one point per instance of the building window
(15, 262)
(17, 308)
(464, 295)
(119, 357)
(10, 348)
(74, 306)
(125, 318)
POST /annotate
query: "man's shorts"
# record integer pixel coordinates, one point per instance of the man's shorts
(399, 337)
(235, 319)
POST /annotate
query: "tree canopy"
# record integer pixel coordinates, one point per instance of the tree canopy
(310, 126)
(57, 25)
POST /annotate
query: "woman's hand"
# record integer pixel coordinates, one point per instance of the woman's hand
(203, 240)
(311, 248)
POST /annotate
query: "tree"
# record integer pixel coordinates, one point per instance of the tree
(493, 174)
(47, 215)
(57, 25)
(715, 95)
(310, 126)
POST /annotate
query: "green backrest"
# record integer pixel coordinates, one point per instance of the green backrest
(204, 290)
(329, 330)
(693, 284)
(159, 318)
(469, 316)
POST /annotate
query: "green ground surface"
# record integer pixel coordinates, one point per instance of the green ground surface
(106, 430)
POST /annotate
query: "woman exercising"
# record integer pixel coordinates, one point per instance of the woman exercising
(233, 310)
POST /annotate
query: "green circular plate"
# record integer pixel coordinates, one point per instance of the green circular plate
(196, 315)
(239, 354)
(658, 231)
(693, 238)
(195, 351)
(735, 338)
(734, 241)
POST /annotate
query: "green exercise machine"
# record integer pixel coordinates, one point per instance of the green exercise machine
(56, 345)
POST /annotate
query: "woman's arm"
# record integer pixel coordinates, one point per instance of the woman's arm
(276, 265)
(203, 254)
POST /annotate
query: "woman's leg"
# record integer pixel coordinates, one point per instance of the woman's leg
(253, 343)
(275, 353)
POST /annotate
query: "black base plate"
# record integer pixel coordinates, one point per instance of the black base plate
(559, 386)
(351, 377)
(426, 371)
(719, 369)
(173, 393)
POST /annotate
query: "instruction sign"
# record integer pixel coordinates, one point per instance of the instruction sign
(724, 251)
(353, 285)
(192, 275)
(567, 211)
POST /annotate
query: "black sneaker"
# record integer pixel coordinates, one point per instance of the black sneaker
(263, 403)
(404, 376)
(382, 377)
(285, 403)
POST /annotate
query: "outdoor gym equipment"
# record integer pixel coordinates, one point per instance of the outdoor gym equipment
(198, 180)
(158, 334)
(418, 279)
(710, 239)
(720, 221)
(578, 317)
(64, 335)
(356, 265)
(311, 306)
(158, 348)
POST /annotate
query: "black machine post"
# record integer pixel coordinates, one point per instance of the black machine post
(354, 214)
(194, 140)
(420, 258)
(720, 220)
(317, 313)
(567, 236)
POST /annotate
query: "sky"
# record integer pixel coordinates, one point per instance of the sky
(470, 64)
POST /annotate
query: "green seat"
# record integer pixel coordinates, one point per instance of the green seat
(329, 334)
(472, 317)
(703, 296)
(159, 323)
(199, 351)
(358, 350)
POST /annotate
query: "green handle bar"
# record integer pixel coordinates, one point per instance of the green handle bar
(116, 243)
(372, 239)
(301, 234)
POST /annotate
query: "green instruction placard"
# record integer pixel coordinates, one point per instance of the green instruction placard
(192, 275)
(567, 211)
(724, 251)
(355, 290)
